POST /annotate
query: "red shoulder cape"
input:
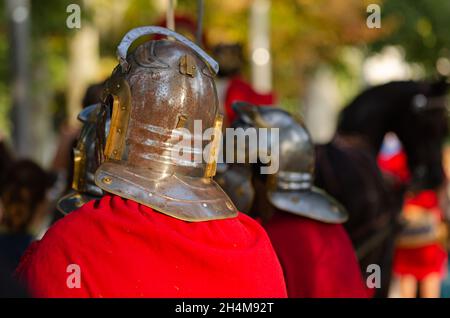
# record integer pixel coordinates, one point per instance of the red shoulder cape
(318, 259)
(124, 249)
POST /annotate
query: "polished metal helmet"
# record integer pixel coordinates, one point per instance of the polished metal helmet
(156, 98)
(236, 181)
(84, 188)
(291, 188)
(236, 178)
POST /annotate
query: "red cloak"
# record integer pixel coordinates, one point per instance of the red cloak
(317, 258)
(125, 249)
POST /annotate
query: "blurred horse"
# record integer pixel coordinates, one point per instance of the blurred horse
(347, 168)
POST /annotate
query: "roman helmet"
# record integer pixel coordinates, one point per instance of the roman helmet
(236, 181)
(290, 189)
(84, 188)
(162, 146)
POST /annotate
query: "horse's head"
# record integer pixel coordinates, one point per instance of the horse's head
(422, 128)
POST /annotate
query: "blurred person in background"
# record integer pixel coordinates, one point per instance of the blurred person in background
(6, 160)
(420, 257)
(231, 85)
(23, 197)
(9, 288)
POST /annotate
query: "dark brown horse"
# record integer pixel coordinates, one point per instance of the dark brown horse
(347, 169)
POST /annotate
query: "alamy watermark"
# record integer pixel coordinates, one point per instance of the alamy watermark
(74, 278)
(250, 145)
(73, 20)
(373, 280)
(374, 18)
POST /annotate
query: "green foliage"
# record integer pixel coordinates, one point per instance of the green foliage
(48, 17)
(49, 35)
(137, 13)
(421, 28)
(4, 83)
(304, 35)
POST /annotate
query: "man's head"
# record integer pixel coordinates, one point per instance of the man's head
(24, 195)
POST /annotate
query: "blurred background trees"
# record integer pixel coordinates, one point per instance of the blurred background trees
(318, 47)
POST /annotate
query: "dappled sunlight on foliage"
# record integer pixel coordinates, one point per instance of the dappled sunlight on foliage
(305, 34)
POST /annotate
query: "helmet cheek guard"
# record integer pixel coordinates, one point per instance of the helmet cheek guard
(84, 188)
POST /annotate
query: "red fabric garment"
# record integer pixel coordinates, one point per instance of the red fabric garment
(395, 165)
(125, 249)
(317, 258)
(420, 261)
(426, 199)
(240, 90)
(424, 260)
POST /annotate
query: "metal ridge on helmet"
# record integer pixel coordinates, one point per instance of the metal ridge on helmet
(291, 188)
(159, 88)
(84, 188)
